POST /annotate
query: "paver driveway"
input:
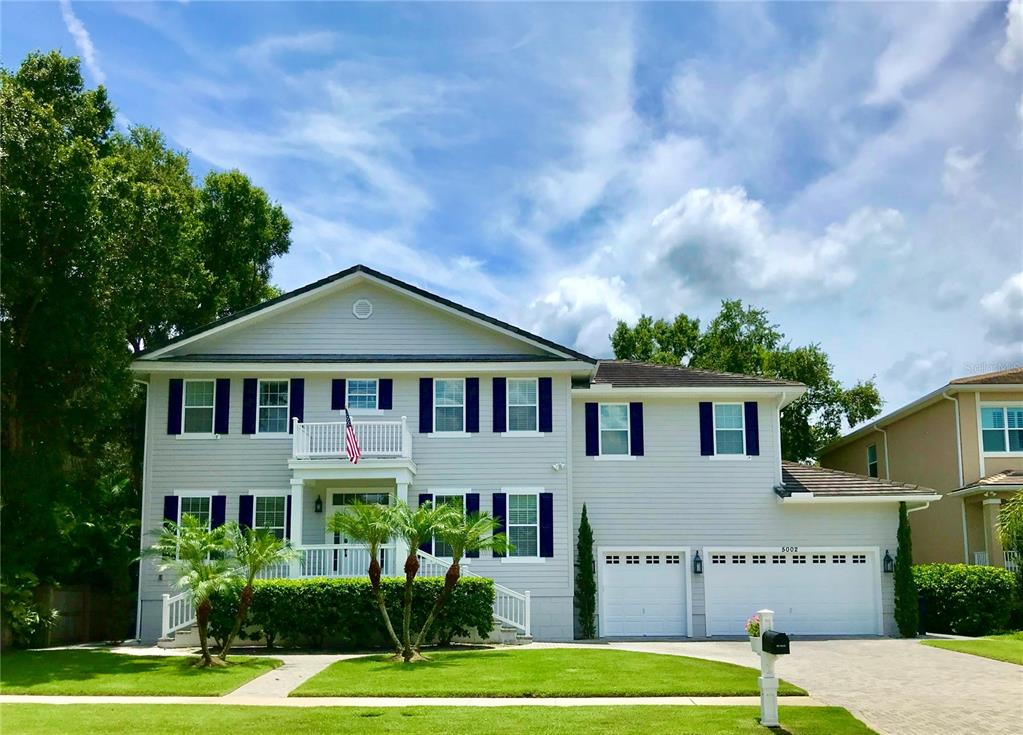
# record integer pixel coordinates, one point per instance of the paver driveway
(898, 687)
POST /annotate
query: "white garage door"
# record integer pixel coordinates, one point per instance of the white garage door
(643, 593)
(811, 592)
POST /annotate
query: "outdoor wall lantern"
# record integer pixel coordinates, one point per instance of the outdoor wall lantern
(889, 563)
(318, 505)
(697, 564)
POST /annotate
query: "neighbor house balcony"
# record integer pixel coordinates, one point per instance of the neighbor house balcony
(377, 440)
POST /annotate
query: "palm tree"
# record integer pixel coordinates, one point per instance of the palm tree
(195, 555)
(463, 534)
(252, 552)
(372, 525)
(414, 527)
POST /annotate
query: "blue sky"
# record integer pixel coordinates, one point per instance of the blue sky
(855, 168)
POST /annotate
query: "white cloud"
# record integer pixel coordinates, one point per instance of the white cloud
(583, 311)
(1011, 54)
(1003, 313)
(83, 41)
(922, 372)
(961, 171)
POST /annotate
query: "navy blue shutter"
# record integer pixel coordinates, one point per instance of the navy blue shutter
(222, 410)
(547, 525)
(500, 388)
(385, 391)
(636, 429)
(249, 406)
(472, 507)
(752, 429)
(218, 511)
(706, 428)
(174, 399)
(472, 405)
(296, 403)
(170, 508)
(425, 405)
(287, 518)
(546, 419)
(246, 511)
(427, 544)
(337, 394)
(592, 431)
(500, 507)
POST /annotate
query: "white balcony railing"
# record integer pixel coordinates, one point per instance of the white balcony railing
(377, 439)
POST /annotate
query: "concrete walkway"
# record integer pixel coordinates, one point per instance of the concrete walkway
(276, 684)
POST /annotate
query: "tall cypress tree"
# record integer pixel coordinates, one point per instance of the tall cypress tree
(907, 614)
(585, 580)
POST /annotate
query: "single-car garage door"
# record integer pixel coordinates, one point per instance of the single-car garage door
(811, 592)
(643, 593)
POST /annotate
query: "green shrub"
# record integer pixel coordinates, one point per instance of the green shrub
(342, 613)
(906, 604)
(585, 580)
(965, 600)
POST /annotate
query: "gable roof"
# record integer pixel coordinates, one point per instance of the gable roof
(1004, 480)
(366, 271)
(819, 482)
(632, 374)
(1010, 376)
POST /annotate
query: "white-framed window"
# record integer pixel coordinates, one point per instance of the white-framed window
(197, 406)
(1002, 428)
(523, 404)
(449, 405)
(614, 429)
(198, 506)
(523, 524)
(272, 407)
(872, 460)
(362, 394)
(457, 498)
(270, 513)
(729, 429)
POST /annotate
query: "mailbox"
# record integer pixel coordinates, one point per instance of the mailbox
(775, 642)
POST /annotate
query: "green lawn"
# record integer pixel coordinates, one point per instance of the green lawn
(102, 672)
(551, 672)
(631, 720)
(1008, 647)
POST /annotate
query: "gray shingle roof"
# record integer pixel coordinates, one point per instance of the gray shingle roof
(801, 478)
(1011, 376)
(631, 374)
(314, 357)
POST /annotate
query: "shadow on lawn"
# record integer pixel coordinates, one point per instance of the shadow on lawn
(30, 668)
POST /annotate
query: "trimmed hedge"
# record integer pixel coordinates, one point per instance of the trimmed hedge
(342, 613)
(965, 599)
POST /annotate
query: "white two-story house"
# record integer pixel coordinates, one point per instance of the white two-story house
(697, 521)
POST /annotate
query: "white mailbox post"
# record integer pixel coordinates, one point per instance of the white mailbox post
(768, 681)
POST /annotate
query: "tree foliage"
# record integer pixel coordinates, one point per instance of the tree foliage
(907, 609)
(585, 580)
(742, 339)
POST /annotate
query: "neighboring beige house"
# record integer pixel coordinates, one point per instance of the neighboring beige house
(964, 440)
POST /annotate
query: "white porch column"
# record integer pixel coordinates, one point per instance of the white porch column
(401, 548)
(992, 543)
(297, 508)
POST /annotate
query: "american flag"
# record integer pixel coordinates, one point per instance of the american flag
(351, 441)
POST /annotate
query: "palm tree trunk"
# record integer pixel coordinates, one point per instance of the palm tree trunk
(374, 578)
(243, 611)
(451, 578)
(202, 621)
(411, 568)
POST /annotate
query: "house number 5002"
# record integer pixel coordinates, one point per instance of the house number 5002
(790, 548)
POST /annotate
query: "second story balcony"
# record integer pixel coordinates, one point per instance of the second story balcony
(377, 439)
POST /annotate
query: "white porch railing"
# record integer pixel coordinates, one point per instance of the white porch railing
(326, 440)
(1011, 560)
(178, 613)
(980, 558)
(343, 560)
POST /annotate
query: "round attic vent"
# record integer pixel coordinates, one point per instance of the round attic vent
(362, 309)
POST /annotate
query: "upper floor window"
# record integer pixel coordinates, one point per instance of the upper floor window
(872, 460)
(449, 405)
(362, 394)
(522, 404)
(729, 430)
(1002, 427)
(614, 428)
(270, 511)
(273, 407)
(198, 407)
(523, 525)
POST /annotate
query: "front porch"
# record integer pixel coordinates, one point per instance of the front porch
(981, 505)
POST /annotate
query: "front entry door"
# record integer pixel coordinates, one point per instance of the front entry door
(349, 560)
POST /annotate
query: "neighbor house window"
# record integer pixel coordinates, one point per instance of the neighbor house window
(273, 407)
(614, 428)
(362, 394)
(449, 405)
(440, 547)
(197, 506)
(198, 407)
(523, 525)
(729, 433)
(270, 513)
(1002, 427)
(522, 404)
(872, 460)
